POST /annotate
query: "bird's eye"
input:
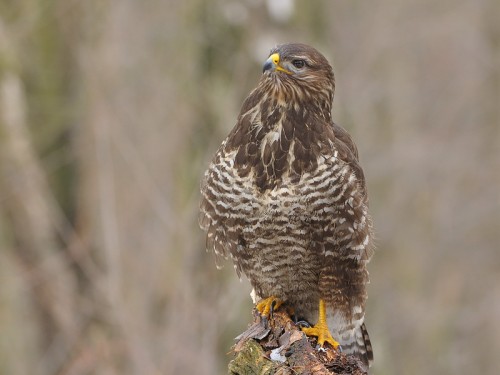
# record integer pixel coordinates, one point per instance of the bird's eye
(299, 64)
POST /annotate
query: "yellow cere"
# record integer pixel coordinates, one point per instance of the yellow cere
(275, 58)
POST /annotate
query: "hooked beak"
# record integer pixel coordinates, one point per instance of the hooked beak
(272, 63)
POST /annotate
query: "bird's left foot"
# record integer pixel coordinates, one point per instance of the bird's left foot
(320, 329)
(268, 305)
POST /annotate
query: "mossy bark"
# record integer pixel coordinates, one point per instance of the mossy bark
(277, 346)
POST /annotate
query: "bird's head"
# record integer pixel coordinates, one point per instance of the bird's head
(299, 71)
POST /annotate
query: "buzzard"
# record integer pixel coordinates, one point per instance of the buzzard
(285, 198)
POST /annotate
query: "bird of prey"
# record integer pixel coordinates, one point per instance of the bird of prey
(285, 198)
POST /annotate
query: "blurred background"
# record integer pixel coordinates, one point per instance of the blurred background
(110, 111)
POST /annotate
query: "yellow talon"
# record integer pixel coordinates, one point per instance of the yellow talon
(320, 329)
(265, 305)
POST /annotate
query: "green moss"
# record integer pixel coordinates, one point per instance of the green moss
(251, 360)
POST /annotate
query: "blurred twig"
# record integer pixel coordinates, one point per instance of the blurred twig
(32, 211)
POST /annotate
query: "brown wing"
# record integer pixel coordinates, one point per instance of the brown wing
(343, 136)
(347, 246)
(228, 195)
(219, 196)
(348, 152)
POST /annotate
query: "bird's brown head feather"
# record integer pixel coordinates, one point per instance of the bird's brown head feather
(297, 72)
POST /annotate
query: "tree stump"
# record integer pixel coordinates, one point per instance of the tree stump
(276, 345)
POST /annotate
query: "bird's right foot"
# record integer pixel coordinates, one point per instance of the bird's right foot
(268, 305)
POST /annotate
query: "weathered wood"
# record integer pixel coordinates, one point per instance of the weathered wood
(278, 346)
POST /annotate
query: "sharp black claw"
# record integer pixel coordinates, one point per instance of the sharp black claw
(264, 320)
(271, 312)
(303, 323)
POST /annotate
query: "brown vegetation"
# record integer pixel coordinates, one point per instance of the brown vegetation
(275, 345)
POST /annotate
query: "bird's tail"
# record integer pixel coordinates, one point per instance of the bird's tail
(358, 343)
